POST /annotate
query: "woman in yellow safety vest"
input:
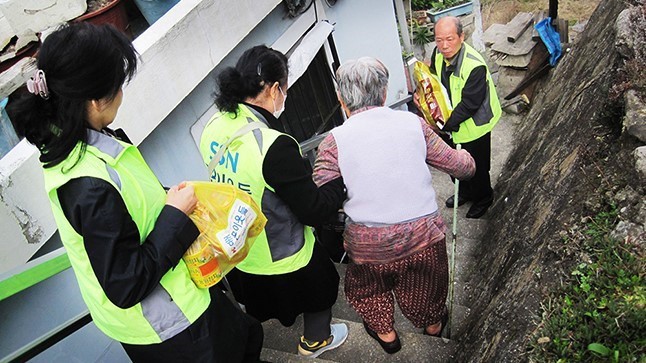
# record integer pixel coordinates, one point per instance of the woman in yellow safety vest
(286, 273)
(124, 235)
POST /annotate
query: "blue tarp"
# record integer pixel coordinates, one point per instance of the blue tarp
(550, 38)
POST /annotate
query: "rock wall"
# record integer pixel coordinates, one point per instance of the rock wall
(545, 185)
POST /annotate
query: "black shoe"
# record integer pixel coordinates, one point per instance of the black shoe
(388, 347)
(461, 200)
(444, 321)
(478, 209)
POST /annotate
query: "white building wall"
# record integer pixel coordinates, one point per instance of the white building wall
(362, 28)
(170, 149)
(369, 28)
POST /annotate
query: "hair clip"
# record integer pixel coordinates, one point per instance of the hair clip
(37, 84)
(259, 70)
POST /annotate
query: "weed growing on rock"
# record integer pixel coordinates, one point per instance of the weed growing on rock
(599, 314)
(632, 74)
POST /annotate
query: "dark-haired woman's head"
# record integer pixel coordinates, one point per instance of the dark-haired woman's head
(259, 77)
(84, 68)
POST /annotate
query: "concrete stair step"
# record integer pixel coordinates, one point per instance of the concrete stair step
(281, 342)
(360, 347)
(278, 356)
(466, 258)
(474, 229)
(343, 310)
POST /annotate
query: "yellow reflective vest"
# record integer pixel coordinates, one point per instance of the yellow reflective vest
(285, 245)
(176, 302)
(489, 112)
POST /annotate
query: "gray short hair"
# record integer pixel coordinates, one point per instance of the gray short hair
(362, 82)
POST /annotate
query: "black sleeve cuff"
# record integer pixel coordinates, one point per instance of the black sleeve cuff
(177, 227)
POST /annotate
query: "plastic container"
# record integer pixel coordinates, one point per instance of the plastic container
(462, 9)
(152, 10)
(113, 13)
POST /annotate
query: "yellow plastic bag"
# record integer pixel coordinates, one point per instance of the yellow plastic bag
(433, 98)
(229, 222)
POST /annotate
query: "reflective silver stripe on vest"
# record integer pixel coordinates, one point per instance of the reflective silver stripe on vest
(163, 314)
(109, 146)
(484, 114)
(257, 133)
(113, 175)
(469, 55)
(285, 234)
(105, 143)
(158, 308)
(458, 63)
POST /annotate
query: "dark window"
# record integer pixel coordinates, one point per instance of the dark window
(312, 107)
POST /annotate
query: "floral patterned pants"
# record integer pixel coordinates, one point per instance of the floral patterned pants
(419, 283)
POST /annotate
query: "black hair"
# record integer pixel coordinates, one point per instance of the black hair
(458, 27)
(81, 62)
(257, 67)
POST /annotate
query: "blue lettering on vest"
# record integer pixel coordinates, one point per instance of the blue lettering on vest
(223, 178)
(234, 162)
(228, 160)
(245, 187)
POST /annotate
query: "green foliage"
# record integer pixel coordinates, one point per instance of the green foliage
(421, 4)
(599, 315)
(435, 4)
(407, 55)
(421, 34)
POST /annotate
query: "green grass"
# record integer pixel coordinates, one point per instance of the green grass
(599, 314)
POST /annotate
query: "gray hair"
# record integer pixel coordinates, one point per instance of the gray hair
(362, 83)
(455, 20)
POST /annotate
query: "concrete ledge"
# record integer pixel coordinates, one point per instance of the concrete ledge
(360, 347)
(26, 220)
(178, 51)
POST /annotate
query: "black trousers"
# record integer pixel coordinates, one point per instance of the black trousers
(478, 189)
(316, 326)
(222, 334)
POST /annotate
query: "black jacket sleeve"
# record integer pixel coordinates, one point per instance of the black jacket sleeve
(286, 171)
(127, 270)
(473, 94)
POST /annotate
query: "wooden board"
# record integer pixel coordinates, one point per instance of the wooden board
(523, 45)
(537, 67)
(495, 33)
(518, 25)
(538, 16)
(563, 28)
(514, 61)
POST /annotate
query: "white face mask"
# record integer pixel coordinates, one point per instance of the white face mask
(277, 113)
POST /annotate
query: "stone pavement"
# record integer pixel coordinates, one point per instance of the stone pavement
(281, 343)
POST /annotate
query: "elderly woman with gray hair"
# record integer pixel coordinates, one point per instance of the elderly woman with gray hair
(394, 234)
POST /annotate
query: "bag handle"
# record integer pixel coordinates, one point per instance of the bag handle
(241, 131)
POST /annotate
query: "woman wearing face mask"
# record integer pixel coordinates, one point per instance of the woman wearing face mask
(286, 273)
